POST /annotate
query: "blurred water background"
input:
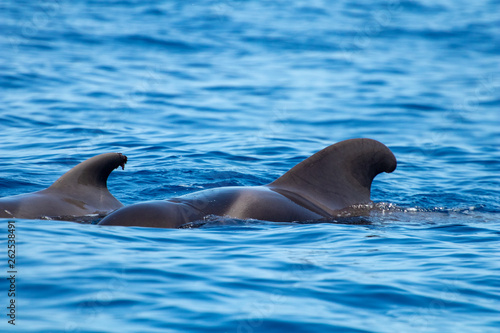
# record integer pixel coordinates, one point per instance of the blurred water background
(219, 93)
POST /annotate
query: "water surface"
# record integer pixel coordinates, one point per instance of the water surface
(227, 93)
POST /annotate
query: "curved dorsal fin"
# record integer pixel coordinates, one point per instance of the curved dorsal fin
(338, 176)
(93, 172)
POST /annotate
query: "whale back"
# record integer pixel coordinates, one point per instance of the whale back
(338, 176)
(80, 191)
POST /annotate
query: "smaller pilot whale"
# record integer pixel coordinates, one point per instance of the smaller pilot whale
(320, 187)
(80, 191)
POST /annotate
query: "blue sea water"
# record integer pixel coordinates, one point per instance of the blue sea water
(215, 93)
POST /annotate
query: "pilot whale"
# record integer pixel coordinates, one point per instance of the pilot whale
(321, 186)
(79, 192)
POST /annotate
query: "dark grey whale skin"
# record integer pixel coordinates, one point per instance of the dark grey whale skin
(328, 182)
(79, 192)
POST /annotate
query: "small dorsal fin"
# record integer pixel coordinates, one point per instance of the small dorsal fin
(93, 172)
(338, 176)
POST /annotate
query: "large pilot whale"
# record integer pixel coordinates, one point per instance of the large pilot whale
(81, 191)
(330, 181)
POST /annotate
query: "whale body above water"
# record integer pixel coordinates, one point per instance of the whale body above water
(330, 181)
(81, 191)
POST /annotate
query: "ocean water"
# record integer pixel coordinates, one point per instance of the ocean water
(214, 93)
